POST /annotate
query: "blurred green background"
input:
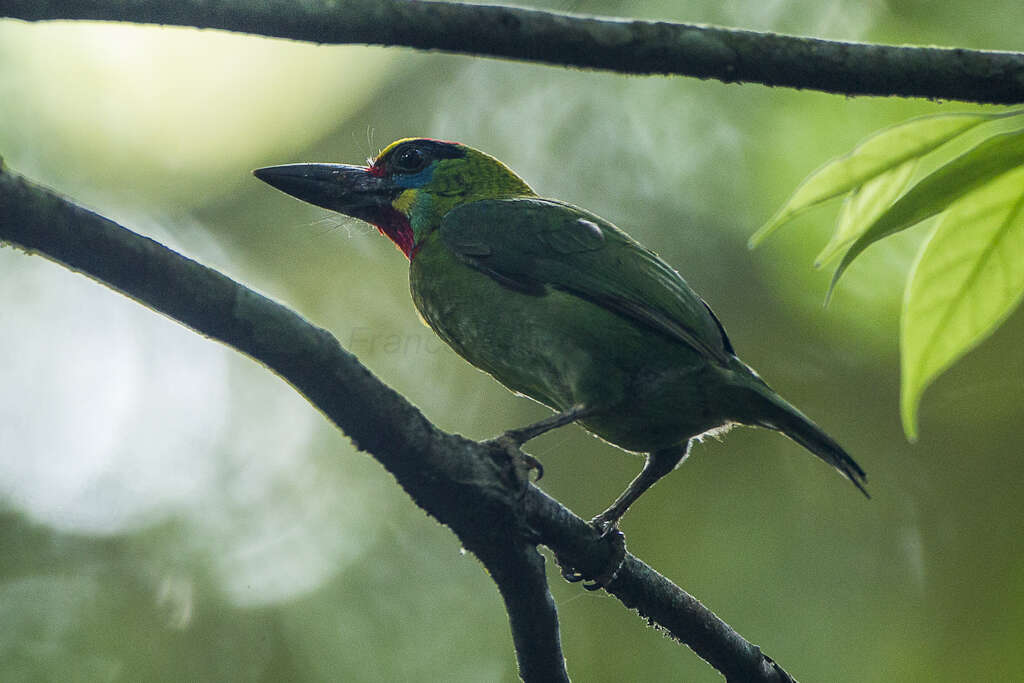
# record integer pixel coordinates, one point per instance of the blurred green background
(171, 511)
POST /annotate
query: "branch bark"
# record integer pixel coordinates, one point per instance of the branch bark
(622, 45)
(471, 487)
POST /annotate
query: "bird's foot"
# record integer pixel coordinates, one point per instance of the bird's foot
(522, 463)
(616, 541)
(605, 525)
(531, 464)
(511, 442)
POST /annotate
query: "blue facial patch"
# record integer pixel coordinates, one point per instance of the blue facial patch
(417, 179)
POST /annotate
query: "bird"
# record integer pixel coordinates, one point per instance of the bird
(559, 305)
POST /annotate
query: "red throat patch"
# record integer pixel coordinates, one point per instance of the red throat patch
(395, 226)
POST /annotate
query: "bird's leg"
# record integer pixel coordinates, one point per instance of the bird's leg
(532, 431)
(659, 463)
(513, 439)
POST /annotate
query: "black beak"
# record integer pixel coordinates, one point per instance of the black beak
(351, 190)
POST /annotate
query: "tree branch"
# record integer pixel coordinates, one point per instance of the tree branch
(471, 487)
(622, 45)
(664, 604)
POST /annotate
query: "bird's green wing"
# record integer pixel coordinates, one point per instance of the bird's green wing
(533, 244)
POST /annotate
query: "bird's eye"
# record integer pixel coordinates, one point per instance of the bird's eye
(410, 160)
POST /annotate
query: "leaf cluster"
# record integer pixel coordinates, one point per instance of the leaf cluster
(969, 273)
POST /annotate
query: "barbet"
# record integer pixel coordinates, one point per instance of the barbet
(559, 305)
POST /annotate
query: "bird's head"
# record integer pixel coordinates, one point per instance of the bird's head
(406, 190)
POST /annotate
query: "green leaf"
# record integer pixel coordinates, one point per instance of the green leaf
(887, 149)
(969, 276)
(864, 205)
(935, 192)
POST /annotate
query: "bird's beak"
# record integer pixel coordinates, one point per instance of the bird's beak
(351, 190)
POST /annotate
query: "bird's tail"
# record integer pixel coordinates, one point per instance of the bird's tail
(774, 412)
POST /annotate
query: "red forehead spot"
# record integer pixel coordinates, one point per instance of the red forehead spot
(376, 170)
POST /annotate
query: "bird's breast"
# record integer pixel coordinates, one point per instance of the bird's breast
(562, 350)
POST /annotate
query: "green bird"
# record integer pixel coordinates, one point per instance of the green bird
(559, 305)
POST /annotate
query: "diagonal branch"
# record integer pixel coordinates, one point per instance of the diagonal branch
(622, 45)
(445, 474)
(471, 487)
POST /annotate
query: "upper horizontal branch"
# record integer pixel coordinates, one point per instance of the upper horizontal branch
(637, 47)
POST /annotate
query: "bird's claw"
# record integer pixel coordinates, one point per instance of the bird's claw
(532, 464)
(570, 574)
(617, 542)
(522, 463)
(605, 527)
